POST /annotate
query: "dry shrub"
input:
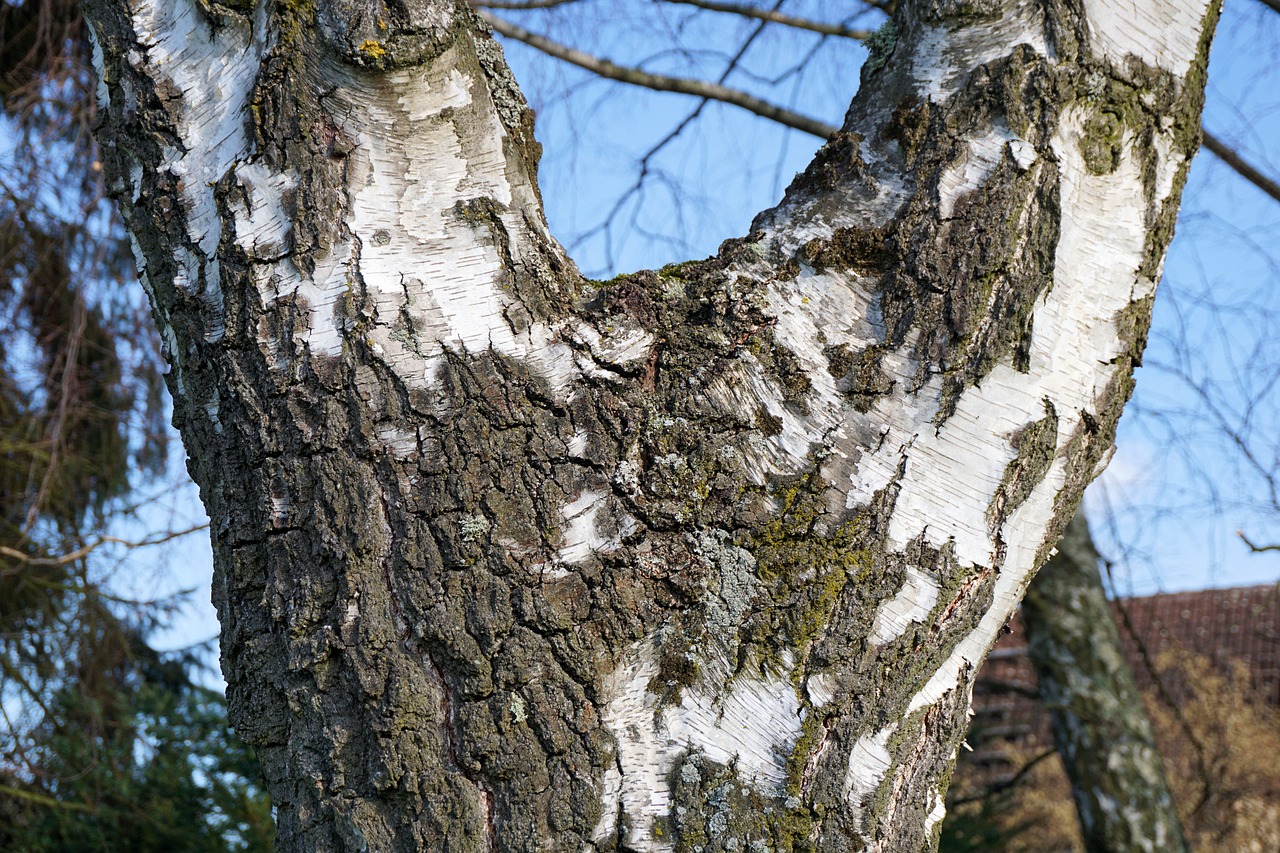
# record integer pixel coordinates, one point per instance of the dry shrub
(1221, 748)
(1220, 740)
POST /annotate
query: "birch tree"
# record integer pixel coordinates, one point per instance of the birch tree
(1100, 724)
(700, 558)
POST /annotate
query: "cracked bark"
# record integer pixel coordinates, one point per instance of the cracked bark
(694, 559)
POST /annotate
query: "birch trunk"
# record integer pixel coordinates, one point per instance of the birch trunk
(695, 559)
(1100, 723)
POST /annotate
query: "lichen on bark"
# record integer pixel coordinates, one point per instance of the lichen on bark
(508, 560)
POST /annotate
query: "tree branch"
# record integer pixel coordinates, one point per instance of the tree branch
(1257, 549)
(42, 800)
(1228, 155)
(80, 553)
(638, 187)
(1273, 5)
(659, 82)
(1016, 687)
(776, 18)
(1005, 785)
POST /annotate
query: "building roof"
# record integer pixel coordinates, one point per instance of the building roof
(1225, 626)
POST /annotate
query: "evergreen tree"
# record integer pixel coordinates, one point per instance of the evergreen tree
(107, 744)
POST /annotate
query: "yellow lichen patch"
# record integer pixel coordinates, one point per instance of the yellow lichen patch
(373, 49)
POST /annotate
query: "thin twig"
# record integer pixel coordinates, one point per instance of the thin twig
(1025, 689)
(1011, 782)
(693, 115)
(659, 82)
(1229, 156)
(776, 18)
(1257, 549)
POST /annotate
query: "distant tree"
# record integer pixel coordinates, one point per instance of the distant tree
(1100, 723)
(142, 760)
(104, 743)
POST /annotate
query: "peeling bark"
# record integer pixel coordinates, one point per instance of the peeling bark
(695, 559)
(1100, 724)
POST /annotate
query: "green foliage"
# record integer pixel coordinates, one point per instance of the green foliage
(147, 764)
(105, 744)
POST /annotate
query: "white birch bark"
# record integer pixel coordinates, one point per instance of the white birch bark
(701, 559)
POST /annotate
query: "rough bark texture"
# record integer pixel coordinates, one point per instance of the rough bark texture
(698, 559)
(1100, 724)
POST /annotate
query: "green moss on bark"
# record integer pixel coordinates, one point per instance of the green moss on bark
(803, 569)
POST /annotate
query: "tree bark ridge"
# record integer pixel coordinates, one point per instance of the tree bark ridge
(696, 558)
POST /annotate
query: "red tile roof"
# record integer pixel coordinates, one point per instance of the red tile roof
(1224, 625)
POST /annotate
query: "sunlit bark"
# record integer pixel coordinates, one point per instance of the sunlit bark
(701, 558)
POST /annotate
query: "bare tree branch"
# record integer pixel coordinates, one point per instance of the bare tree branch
(84, 551)
(645, 161)
(1228, 155)
(1005, 785)
(1273, 5)
(1017, 687)
(776, 18)
(659, 82)
(1255, 548)
(724, 94)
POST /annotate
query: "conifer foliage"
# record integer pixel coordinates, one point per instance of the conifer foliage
(105, 743)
